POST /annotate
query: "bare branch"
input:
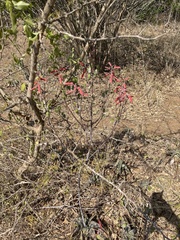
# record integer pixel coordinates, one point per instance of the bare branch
(66, 15)
(109, 38)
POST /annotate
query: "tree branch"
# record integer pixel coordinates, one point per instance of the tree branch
(37, 131)
(109, 38)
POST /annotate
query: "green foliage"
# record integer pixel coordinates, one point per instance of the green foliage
(20, 5)
(11, 10)
(16, 9)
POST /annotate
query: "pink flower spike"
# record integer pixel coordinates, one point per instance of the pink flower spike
(35, 86)
(82, 64)
(117, 89)
(84, 71)
(81, 92)
(69, 92)
(111, 77)
(117, 79)
(39, 88)
(117, 67)
(55, 72)
(107, 69)
(43, 79)
(60, 79)
(119, 99)
(130, 98)
(124, 85)
(68, 84)
(63, 69)
(100, 224)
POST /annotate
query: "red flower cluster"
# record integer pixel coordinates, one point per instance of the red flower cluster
(122, 94)
(121, 89)
(73, 88)
(37, 84)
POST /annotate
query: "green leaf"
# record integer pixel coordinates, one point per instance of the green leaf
(23, 87)
(13, 17)
(99, 237)
(29, 21)
(34, 38)
(20, 5)
(27, 30)
(1, 133)
(8, 5)
(17, 60)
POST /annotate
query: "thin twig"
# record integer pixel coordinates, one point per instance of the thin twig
(65, 15)
(79, 198)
